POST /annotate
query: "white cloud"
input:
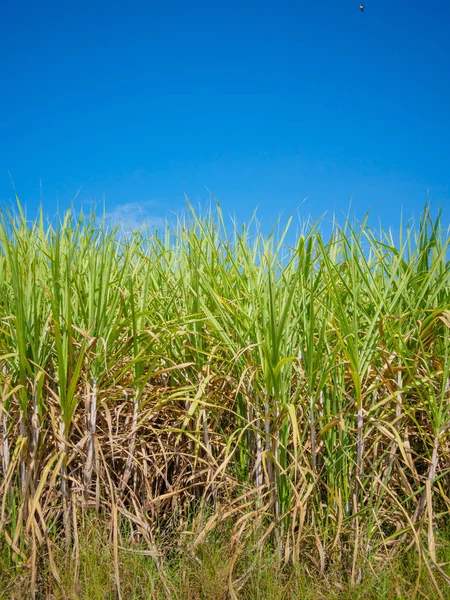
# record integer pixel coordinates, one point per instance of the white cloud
(132, 216)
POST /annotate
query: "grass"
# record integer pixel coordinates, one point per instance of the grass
(204, 573)
(206, 379)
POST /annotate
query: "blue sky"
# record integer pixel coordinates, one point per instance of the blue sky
(263, 103)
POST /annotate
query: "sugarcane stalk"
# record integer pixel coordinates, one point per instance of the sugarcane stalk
(312, 425)
(130, 457)
(5, 444)
(268, 442)
(91, 425)
(430, 478)
(64, 485)
(359, 457)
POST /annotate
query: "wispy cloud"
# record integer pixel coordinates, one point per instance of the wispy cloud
(132, 216)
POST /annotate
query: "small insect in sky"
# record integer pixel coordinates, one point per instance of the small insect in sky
(361, 7)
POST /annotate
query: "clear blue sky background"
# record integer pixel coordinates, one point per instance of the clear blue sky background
(264, 103)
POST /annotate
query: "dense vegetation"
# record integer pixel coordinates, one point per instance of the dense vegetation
(175, 383)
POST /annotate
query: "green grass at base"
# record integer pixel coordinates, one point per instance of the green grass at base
(203, 573)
